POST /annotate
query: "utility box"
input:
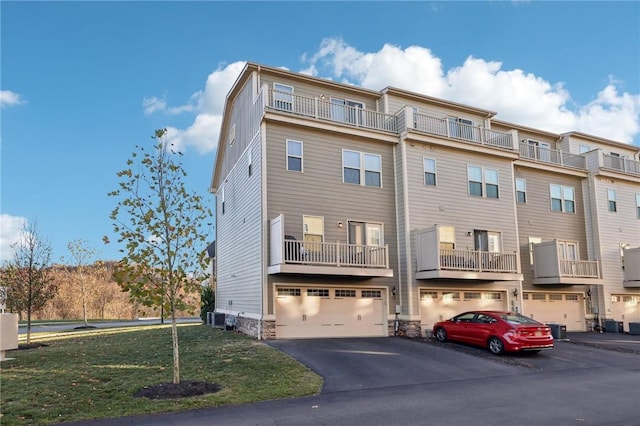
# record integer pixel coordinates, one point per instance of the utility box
(8, 333)
(218, 320)
(634, 328)
(558, 331)
(611, 326)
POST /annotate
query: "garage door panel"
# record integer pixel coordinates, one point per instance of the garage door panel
(439, 305)
(556, 308)
(330, 312)
(625, 308)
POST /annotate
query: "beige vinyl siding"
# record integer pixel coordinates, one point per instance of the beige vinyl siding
(239, 121)
(239, 237)
(449, 203)
(535, 218)
(614, 228)
(329, 197)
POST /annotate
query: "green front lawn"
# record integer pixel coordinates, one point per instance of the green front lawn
(94, 374)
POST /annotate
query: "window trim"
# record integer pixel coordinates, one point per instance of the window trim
(362, 168)
(484, 183)
(523, 191)
(301, 156)
(638, 205)
(612, 204)
(425, 171)
(281, 98)
(563, 199)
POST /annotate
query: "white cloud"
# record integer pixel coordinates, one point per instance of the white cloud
(208, 104)
(515, 95)
(11, 228)
(9, 98)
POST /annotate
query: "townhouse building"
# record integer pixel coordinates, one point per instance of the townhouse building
(343, 211)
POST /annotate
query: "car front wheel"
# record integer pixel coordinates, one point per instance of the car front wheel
(496, 346)
(441, 334)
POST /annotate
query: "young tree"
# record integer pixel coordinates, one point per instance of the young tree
(80, 255)
(164, 227)
(30, 284)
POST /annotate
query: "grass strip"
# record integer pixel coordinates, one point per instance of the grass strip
(94, 374)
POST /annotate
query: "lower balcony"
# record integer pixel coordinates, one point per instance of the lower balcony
(289, 256)
(632, 267)
(550, 268)
(434, 261)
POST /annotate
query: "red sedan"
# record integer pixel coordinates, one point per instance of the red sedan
(497, 331)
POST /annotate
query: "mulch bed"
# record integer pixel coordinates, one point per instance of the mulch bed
(183, 389)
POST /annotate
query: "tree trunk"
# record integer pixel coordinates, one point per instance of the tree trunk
(176, 352)
(29, 325)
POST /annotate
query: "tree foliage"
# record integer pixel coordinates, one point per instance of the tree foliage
(164, 228)
(27, 276)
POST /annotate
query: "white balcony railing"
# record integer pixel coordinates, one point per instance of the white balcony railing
(553, 156)
(579, 268)
(625, 165)
(326, 110)
(478, 261)
(456, 130)
(335, 254)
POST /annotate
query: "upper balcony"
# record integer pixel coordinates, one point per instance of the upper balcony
(455, 129)
(435, 261)
(542, 154)
(550, 268)
(631, 267)
(624, 165)
(323, 109)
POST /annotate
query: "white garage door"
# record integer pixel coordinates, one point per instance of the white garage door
(625, 308)
(556, 308)
(305, 312)
(437, 305)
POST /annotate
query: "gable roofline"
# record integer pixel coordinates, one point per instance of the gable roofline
(556, 136)
(599, 139)
(437, 101)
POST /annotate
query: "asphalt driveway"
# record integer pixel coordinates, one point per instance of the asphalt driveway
(377, 362)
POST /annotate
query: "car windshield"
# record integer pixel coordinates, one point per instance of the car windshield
(518, 319)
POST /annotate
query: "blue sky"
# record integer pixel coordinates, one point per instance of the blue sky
(84, 82)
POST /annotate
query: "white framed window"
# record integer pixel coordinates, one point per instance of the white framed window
(583, 148)
(288, 291)
(312, 229)
(539, 150)
(532, 241)
(372, 294)
(429, 168)
(365, 234)
(282, 97)
(361, 168)
(521, 191)
(623, 247)
(249, 162)
(483, 182)
(487, 241)
(346, 110)
(611, 200)
(491, 183)
(222, 199)
(447, 236)
(562, 198)
(294, 156)
(638, 205)
(461, 128)
(318, 292)
(568, 250)
(345, 293)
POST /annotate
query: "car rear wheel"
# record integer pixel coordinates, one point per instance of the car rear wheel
(441, 334)
(496, 346)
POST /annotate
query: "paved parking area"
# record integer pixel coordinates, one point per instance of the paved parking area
(383, 381)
